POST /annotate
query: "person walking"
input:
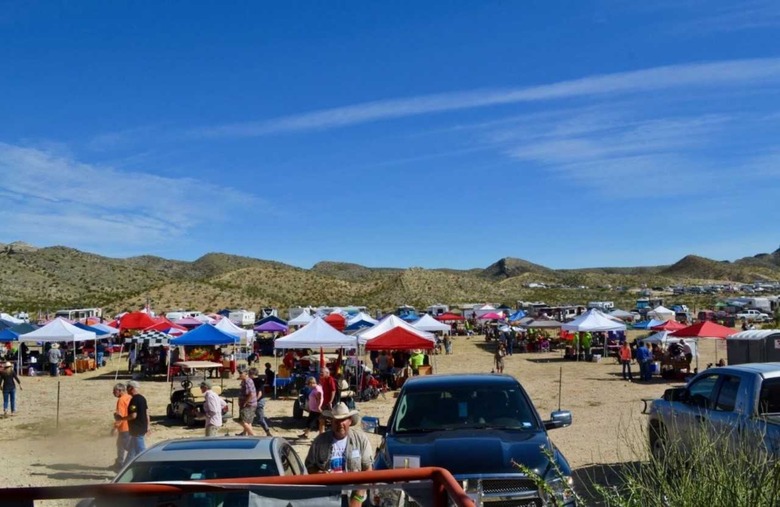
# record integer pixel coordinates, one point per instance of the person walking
(54, 356)
(624, 353)
(254, 374)
(9, 379)
(121, 428)
(315, 406)
(247, 402)
(212, 407)
(341, 449)
(138, 420)
(499, 357)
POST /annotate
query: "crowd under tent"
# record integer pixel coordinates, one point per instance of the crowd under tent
(594, 320)
(664, 338)
(58, 330)
(428, 323)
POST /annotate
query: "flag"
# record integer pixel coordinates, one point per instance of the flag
(322, 359)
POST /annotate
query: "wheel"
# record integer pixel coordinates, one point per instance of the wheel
(657, 442)
(188, 419)
(169, 411)
(297, 410)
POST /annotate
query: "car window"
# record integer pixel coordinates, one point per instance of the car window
(197, 470)
(464, 407)
(701, 391)
(727, 395)
(291, 464)
(769, 397)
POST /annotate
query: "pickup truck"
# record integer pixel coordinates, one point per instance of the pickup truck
(753, 316)
(478, 426)
(730, 401)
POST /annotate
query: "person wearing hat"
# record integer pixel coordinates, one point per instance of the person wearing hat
(254, 374)
(9, 379)
(341, 449)
(54, 356)
(346, 395)
(138, 420)
(247, 401)
(212, 407)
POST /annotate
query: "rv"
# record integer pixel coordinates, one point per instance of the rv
(242, 317)
(182, 314)
(436, 310)
(79, 313)
(604, 306)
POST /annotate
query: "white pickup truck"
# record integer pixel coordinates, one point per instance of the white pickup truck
(753, 316)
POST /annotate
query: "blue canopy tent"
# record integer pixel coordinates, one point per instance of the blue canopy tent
(357, 325)
(6, 335)
(99, 333)
(205, 335)
(519, 314)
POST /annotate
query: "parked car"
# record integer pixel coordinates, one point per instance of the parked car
(477, 426)
(731, 401)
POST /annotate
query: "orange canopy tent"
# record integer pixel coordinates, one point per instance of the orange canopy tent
(337, 321)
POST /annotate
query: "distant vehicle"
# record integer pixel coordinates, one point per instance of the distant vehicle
(604, 306)
(753, 316)
(79, 313)
(477, 426)
(242, 317)
(187, 402)
(182, 314)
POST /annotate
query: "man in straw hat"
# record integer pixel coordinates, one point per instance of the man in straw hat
(341, 448)
(54, 356)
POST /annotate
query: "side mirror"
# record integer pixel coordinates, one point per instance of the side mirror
(558, 419)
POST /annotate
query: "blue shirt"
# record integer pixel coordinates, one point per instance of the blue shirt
(643, 354)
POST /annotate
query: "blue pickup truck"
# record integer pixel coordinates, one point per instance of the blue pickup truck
(478, 426)
(731, 402)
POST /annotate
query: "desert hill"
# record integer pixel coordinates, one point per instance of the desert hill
(53, 277)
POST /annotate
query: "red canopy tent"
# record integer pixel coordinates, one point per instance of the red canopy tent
(446, 317)
(337, 321)
(135, 320)
(399, 338)
(163, 324)
(705, 329)
(669, 325)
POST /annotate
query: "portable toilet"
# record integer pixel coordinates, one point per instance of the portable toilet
(756, 346)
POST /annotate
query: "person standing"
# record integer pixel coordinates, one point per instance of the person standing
(132, 358)
(341, 449)
(121, 428)
(644, 358)
(254, 374)
(247, 402)
(9, 379)
(499, 357)
(625, 359)
(416, 360)
(688, 352)
(212, 407)
(270, 377)
(315, 406)
(138, 420)
(54, 356)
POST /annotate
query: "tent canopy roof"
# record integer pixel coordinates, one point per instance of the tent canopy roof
(428, 323)
(389, 323)
(58, 330)
(315, 334)
(594, 320)
(399, 338)
(205, 335)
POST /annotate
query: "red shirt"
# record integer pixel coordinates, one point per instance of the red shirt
(328, 389)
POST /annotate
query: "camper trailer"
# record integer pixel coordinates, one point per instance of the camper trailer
(436, 310)
(242, 317)
(604, 306)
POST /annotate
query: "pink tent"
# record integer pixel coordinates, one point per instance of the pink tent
(492, 316)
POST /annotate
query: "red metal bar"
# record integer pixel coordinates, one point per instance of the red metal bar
(443, 482)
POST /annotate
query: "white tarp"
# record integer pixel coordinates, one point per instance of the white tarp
(428, 323)
(58, 330)
(389, 323)
(301, 320)
(663, 339)
(314, 335)
(227, 326)
(661, 313)
(594, 320)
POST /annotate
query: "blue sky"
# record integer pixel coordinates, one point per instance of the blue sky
(432, 134)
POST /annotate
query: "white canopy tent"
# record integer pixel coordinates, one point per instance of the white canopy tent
(592, 321)
(58, 330)
(314, 335)
(622, 315)
(428, 323)
(301, 320)
(661, 313)
(388, 323)
(227, 326)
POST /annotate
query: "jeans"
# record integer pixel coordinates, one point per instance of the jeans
(54, 369)
(99, 360)
(644, 370)
(122, 446)
(136, 446)
(627, 368)
(260, 416)
(9, 396)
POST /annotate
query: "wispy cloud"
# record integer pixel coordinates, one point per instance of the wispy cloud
(735, 16)
(55, 199)
(699, 75)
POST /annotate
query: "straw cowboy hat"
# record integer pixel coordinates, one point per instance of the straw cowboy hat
(341, 411)
(55, 345)
(346, 392)
(8, 364)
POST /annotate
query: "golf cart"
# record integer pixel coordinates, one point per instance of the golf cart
(187, 399)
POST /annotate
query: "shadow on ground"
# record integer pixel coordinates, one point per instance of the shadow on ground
(608, 476)
(75, 471)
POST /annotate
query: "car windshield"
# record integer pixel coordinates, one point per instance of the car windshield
(152, 471)
(488, 407)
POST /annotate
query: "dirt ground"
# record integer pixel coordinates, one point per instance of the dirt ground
(608, 425)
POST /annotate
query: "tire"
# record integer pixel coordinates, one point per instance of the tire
(658, 442)
(297, 410)
(188, 419)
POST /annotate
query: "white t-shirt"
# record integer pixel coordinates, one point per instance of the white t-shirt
(338, 452)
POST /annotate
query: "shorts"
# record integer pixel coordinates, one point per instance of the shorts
(211, 431)
(248, 414)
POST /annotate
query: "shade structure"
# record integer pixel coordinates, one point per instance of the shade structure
(622, 314)
(271, 318)
(188, 322)
(361, 317)
(205, 335)
(399, 338)
(337, 321)
(706, 329)
(491, 316)
(106, 328)
(661, 313)
(519, 314)
(271, 327)
(663, 338)
(593, 321)
(165, 325)
(301, 320)
(669, 325)
(315, 334)
(6, 335)
(388, 323)
(359, 326)
(531, 323)
(135, 320)
(99, 333)
(450, 317)
(58, 330)
(22, 328)
(228, 327)
(428, 323)
(647, 324)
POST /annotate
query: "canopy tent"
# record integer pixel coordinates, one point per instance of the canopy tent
(106, 328)
(99, 333)
(519, 314)
(491, 316)
(150, 338)
(228, 327)
(663, 338)
(135, 320)
(10, 319)
(647, 324)
(359, 326)
(592, 321)
(388, 323)
(661, 313)
(399, 338)
(271, 326)
(531, 323)
(428, 323)
(705, 329)
(362, 317)
(316, 334)
(669, 325)
(58, 330)
(622, 315)
(450, 317)
(301, 320)
(205, 335)
(272, 318)
(188, 322)
(336, 320)
(7, 335)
